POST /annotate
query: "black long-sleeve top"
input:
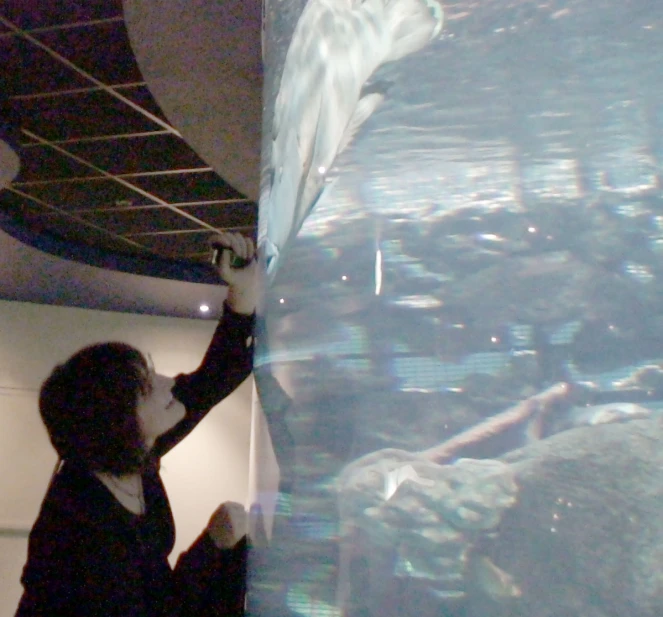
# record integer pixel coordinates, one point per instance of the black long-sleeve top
(88, 556)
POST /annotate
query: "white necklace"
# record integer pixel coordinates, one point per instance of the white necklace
(135, 495)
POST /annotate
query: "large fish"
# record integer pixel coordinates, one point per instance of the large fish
(322, 101)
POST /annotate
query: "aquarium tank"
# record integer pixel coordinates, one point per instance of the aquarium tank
(460, 348)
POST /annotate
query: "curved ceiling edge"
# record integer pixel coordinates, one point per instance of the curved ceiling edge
(33, 276)
(148, 265)
(9, 164)
(202, 62)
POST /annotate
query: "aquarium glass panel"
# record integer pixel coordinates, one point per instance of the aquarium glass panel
(460, 349)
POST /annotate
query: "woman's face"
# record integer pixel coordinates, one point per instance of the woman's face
(158, 411)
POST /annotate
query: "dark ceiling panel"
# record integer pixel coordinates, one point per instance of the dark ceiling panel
(187, 187)
(139, 220)
(29, 14)
(41, 220)
(16, 205)
(81, 233)
(125, 135)
(82, 195)
(46, 74)
(225, 216)
(190, 245)
(153, 153)
(40, 162)
(89, 114)
(111, 63)
(27, 140)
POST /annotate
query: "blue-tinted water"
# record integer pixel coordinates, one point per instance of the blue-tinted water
(490, 241)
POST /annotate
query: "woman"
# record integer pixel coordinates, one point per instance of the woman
(100, 544)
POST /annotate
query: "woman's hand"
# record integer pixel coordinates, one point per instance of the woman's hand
(242, 283)
(228, 525)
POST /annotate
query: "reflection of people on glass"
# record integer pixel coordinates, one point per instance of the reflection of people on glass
(100, 544)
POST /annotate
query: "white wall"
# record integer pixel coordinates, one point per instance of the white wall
(209, 467)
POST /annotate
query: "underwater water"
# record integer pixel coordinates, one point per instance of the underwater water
(461, 350)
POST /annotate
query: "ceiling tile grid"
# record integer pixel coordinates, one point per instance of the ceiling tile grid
(100, 164)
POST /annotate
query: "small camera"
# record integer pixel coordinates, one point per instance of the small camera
(235, 261)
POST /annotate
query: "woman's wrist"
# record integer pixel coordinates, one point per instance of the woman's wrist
(240, 302)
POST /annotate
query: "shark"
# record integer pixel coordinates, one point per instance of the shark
(323, 100)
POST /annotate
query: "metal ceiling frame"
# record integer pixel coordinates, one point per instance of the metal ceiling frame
(56, 93)
(82, 140)
(74, 67)
(68, 26)
(73, 216)
(35, 141)
(134, 174)
(119, 180)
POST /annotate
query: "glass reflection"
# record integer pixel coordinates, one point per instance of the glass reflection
(462, 219)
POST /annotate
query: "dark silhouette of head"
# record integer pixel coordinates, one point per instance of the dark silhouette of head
(88, 405)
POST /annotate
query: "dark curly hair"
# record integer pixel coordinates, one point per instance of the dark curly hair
(88, 405)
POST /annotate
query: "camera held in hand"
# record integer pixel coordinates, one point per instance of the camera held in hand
(235, 261)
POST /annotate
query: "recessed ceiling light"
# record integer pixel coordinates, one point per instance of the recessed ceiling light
(204, 308)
